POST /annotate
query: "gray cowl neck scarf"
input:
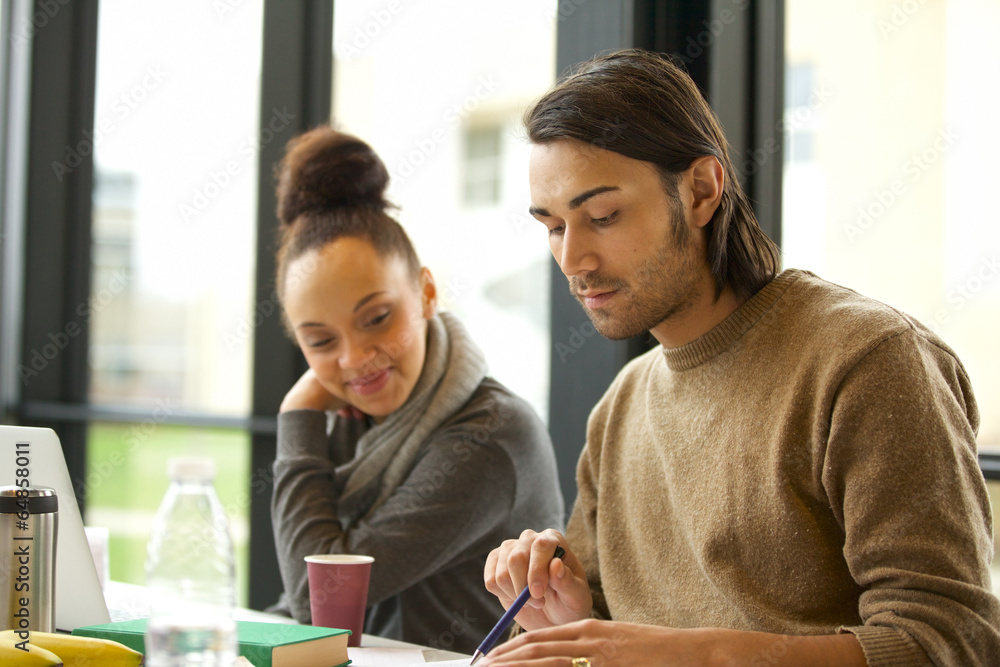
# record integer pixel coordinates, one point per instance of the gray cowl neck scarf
(453, 369)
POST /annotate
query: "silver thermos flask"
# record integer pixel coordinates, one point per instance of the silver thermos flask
(28, 522)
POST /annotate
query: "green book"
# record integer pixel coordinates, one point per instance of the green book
(263, 644)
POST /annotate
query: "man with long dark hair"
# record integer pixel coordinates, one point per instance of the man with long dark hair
(790, 477)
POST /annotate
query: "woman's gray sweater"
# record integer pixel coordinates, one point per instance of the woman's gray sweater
(487, 474)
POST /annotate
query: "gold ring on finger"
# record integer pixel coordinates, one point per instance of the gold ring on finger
(581, 662)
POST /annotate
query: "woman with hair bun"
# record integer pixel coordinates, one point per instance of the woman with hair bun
(395, 443)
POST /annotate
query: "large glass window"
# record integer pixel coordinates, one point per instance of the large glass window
(175, 147)
(890, 163)
(438, 91)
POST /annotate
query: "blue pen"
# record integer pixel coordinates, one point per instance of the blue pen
(507, 618)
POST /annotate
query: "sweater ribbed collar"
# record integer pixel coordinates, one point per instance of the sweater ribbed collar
(721, 337)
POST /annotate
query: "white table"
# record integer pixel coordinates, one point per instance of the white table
(134, 600)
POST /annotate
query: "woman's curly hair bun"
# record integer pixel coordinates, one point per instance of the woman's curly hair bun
(324, 170)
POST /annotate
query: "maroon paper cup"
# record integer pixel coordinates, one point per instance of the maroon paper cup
(338, 592)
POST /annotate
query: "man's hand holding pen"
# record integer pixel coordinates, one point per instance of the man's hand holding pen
(560, 592)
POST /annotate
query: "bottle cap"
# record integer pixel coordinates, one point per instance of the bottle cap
(191, 468)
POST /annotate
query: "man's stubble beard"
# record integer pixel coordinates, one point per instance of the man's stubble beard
(663, 286)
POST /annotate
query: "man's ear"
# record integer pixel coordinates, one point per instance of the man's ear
(428, 293)
(707, 179)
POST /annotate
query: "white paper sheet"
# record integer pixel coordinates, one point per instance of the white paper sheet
(384, 657)
(395, 657)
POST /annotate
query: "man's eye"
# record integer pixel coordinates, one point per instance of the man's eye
(608, 219)
(556, 231)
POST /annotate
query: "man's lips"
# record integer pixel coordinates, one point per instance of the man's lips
(371, 383)
(595, 299)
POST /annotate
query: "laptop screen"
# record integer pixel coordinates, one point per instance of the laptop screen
(79, 599)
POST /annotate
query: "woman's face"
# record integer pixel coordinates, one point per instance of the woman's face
(361, 322)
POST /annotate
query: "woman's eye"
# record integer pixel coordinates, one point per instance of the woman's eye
(321, 343)
(378, 319)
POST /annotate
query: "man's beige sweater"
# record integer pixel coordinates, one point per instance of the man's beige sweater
(806, 467)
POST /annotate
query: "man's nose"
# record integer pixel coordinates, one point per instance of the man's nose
(577, 252)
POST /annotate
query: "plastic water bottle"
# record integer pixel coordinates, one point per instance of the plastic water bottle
(190, 573)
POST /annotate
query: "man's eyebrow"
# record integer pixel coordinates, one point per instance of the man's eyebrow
(576, 201)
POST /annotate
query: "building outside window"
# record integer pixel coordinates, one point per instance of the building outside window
(444, 115)
(174, 210)
(483, 166)
(892, 196)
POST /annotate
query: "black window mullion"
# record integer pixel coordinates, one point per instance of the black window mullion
(296, 80)
(53, 365)
(990, 465)
(583, 363)
(734, 53)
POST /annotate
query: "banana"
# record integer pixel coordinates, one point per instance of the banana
(76, 651)
(35, 656)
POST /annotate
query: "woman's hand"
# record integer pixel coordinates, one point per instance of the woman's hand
(308, 394)
(559, 589)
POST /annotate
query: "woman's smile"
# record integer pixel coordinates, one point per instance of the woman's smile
(371, 383)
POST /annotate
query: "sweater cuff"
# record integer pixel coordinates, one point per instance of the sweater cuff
(887, 647)
(302, 433)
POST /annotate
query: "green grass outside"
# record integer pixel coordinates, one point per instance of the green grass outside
(127, 478)
(127, 473)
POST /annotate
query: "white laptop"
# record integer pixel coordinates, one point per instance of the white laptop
(79, 599)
